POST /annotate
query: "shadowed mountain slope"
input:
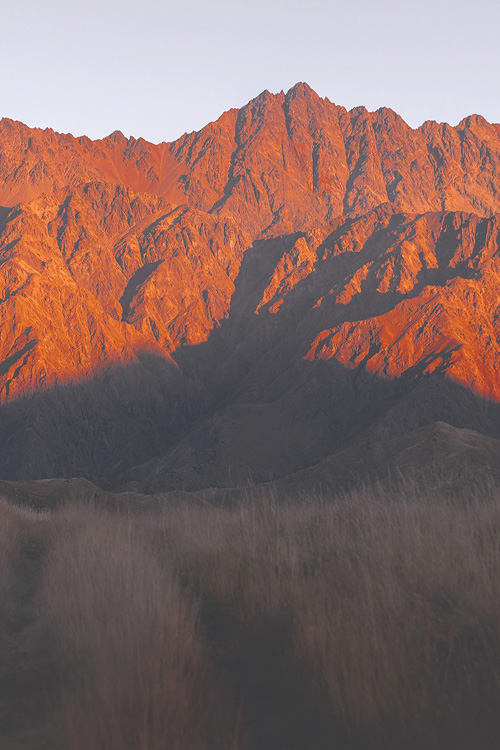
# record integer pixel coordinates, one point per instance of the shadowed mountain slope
(290, 277)
(438, 455)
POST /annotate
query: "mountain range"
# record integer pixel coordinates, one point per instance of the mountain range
(296, 290)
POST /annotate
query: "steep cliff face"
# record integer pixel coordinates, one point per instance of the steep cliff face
(97, 274)
(279, 159)
(377, 328)
(287, 236)
(417, 293)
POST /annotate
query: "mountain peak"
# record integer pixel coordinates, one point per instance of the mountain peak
(473, 122)
(379, 240)
(116, 137)
(302, 89)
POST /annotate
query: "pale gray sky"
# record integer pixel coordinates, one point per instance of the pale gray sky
(157, 69)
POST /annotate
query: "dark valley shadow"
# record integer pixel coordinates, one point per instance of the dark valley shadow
(244, 406)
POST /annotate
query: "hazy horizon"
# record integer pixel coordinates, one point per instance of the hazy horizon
(156, 71)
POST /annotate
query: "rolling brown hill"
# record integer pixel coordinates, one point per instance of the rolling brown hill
(238, 304)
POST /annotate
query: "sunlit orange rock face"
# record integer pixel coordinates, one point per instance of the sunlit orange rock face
(418, 293)
(366, 242)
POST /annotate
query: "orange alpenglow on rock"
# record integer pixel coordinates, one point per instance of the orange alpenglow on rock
(291, 230)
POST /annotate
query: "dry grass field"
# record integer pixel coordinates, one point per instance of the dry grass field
(365, 621)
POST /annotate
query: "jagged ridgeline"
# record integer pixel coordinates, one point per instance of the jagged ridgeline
(239, 305)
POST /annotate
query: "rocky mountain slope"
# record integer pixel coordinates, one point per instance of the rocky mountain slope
(279, 160)
(239, 304)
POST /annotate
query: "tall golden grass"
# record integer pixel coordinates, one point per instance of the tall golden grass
(366, 621)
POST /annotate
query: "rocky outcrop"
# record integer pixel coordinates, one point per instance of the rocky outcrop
(280, 160)
(287, 237)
